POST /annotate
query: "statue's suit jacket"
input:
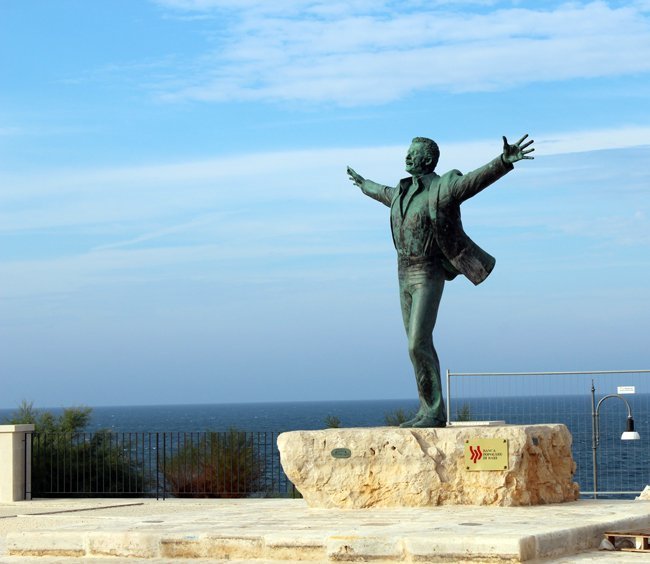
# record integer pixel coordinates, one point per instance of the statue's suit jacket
(446, 194)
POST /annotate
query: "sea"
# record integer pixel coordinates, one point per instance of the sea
(623, 466)
(258, 417)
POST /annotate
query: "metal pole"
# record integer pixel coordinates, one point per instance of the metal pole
(157, 466)
(448, 397)
(27, 490)
(627, 405)
(596, 428)
(594, 441)
(164, 462)
(570, 373)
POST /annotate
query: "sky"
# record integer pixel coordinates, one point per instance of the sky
(176, 224)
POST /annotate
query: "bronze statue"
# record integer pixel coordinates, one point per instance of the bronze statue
(431, 248)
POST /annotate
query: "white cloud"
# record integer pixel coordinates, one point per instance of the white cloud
(196, 189)
(594, 140)
(362, 52)
(551, 143)
(327, 7)
(165, 230)
(289, 204)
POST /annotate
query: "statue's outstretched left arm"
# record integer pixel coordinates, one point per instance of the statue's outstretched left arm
(464, 186)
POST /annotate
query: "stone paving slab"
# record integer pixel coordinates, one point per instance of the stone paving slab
(584, 558)
(273, 530)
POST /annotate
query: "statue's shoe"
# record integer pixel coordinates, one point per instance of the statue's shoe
(427, 422)
(412, 422)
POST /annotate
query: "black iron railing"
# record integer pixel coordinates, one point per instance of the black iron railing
(226, 464)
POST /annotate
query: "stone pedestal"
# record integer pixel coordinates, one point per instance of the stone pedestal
(393, 467)
(15, 462)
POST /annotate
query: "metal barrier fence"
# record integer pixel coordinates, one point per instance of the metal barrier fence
(622, 467)
(227, 464)
(247, 464)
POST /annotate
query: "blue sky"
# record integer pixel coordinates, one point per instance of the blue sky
(176, 225)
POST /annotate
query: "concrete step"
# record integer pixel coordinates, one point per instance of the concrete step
(275, 530)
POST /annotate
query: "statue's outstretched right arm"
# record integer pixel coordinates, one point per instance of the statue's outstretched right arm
(379, 192)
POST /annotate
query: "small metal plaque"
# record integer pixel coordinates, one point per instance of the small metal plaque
(341, 453)
(486, 454)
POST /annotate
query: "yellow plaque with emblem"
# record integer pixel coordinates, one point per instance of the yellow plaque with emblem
(486, 454)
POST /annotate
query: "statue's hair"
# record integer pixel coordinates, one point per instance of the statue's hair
(431, 147)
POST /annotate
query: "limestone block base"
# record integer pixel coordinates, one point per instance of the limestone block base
(393, 467)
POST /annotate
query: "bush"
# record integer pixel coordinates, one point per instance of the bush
(68, 462)
(397, 417)
(332, 422)
(213, 464)
(464, 413)
(72, 420)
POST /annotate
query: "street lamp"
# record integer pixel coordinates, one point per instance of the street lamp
(628, 435)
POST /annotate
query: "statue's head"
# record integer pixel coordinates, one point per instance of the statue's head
(422, 156)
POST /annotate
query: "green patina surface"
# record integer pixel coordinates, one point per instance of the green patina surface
(433, 248)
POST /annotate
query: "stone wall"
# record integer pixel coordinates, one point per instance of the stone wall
(393, 467)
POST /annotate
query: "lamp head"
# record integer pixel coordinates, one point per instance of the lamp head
(630, 434)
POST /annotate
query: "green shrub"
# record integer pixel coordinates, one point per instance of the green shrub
(68, 462)
(332, 422)
(72, 420)
(464, 413)
(213, 464)
(397, 417)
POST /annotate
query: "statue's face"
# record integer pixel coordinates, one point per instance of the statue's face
(417, 160)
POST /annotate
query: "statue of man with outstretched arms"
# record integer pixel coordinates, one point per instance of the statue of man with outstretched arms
(432, 248)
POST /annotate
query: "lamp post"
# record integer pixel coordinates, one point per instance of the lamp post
(628, 435)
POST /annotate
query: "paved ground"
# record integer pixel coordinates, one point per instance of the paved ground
(269, 530)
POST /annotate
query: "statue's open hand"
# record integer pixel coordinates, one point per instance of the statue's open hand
(517, 152)
(355, 177)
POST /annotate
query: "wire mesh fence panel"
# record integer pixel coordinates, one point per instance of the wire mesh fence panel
(531, 398)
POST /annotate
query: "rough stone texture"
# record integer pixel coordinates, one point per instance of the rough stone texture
(15, 462)
(127, 544)
(393, 467)
(47, 543)
(213, 546)
(281, 530)
(645, 494)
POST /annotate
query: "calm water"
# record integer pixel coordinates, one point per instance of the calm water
(246, 416)
(623, 465)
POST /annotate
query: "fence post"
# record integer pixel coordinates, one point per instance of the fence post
(157, 466)
(15, 462)
(164, 462)
(448, 396)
